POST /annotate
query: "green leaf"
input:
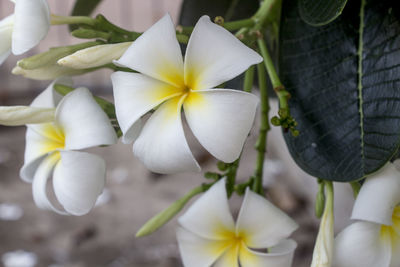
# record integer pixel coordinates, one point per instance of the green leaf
(318, 13)
(344, 79)
(83, 8)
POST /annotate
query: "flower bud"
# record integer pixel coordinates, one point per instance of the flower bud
(95, 56)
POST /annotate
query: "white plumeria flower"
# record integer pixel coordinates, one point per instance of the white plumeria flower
(209, 235)
(374, 239)
(78, 177)
(220, 118)
(24, 29)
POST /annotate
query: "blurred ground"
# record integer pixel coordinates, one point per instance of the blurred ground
(105, 237)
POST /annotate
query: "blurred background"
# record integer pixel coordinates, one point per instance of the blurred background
(106, 236)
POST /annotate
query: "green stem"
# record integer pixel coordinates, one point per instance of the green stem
(183, 39)
(231, 10)
(166, 215)
(231, 177)
(61, 20)
(262, 13)
(264, 127)
(230, 26)
(279, 89)
(248, 79)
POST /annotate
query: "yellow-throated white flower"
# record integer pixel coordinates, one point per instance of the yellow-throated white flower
(208, 234)
(219, 118)
(25, 28)
(374, 239)
(78, 177)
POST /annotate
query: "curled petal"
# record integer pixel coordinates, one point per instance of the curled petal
(209, 217)
(280, 255)
(79, 179)
(361, 245)
(21, 115)
(31, 24)
(83, 122)
(94, 56)
(214, 119)
(214, 56)
(197, 251)
(135, 94)
(261, 223)
(156, 53)
(39, 184)
(162, 145)
(378, 196)
(6, 28)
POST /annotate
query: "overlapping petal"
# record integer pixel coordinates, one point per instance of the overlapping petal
(49, 98)
(229, 258)
(197, 251)
(214, 56)
(209, 217)
(83, 122)
(135, 94)
(78, 180)
(39, 184)
(221, 120)
(6, 28)
(156, 53)
(378, 196)
(31, 24)
(280, 255)
(362, 245)
(162, 145)
(263, 224)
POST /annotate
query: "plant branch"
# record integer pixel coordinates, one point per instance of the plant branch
(264, 128)
(248, 79)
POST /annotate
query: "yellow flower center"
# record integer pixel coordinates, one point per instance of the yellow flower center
(53, 138)
(392, 231)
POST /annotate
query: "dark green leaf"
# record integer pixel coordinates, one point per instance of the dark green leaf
(318, 13)
(344, 79)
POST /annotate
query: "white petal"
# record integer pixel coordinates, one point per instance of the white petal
(262, 224)
(214, 56)
(360, 245)
(197, 251)
(78, 180)
(280, 255)
(6, 28)
(209, 216)
(39, 184)
(94, 56)
(157, 53)
(31, 24)
(83, 121)
(135, 94)
(162, 145)
(41, 139)
(216, 121)
(49, 98)
(378, 196)
(22, 115)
